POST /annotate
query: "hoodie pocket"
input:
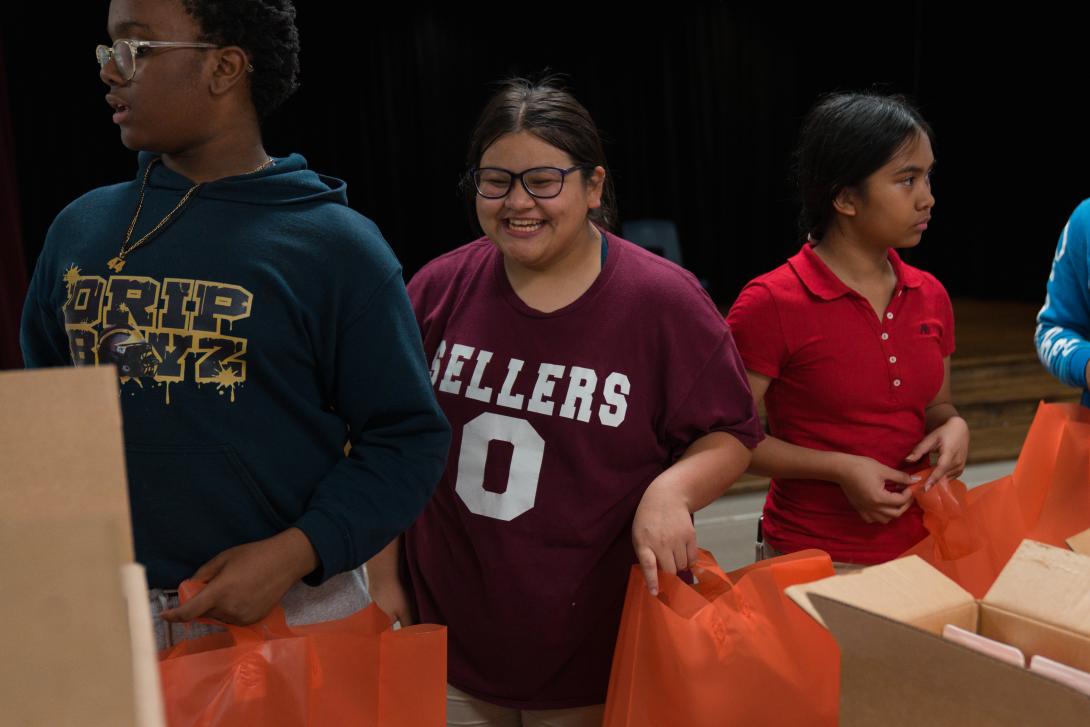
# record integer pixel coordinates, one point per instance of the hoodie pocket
(189, 503)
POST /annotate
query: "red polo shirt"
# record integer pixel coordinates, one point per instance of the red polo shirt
(843, 380)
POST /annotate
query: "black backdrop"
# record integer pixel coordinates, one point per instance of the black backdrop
(699, 103)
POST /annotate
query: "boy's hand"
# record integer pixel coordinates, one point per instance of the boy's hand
(245, 582)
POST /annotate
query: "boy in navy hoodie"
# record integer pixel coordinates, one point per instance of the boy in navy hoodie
(258, 325)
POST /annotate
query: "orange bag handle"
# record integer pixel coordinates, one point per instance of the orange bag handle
(712, 581)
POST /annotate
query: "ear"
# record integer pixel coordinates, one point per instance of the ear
(596, 184)
(232, 66)
(846, 202)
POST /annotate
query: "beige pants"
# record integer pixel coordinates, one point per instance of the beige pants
(466, 711)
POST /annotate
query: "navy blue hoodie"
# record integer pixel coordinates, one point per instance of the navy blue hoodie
(263, 328)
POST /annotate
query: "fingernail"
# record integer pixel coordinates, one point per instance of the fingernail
(915, 478)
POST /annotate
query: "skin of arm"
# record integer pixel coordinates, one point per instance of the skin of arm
(663, 534)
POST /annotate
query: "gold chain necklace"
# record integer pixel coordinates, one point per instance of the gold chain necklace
(118, 263)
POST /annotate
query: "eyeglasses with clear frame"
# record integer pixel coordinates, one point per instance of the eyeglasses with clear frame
(539, 182)
(124, 52)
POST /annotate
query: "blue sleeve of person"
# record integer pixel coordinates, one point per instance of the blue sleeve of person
(1063, 324)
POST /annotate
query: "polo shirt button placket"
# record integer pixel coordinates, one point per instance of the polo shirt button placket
(892, 358)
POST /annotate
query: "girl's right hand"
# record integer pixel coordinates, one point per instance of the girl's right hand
(392, 598)
(864, 483)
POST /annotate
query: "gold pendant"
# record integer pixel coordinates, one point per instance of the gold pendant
(116, 264)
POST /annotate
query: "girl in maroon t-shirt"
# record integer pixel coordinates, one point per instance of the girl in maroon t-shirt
(596, 401)
(849, 346)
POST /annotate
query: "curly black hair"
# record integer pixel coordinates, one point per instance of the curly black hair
(265, 29)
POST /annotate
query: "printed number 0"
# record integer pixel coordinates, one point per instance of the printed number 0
(521, 490)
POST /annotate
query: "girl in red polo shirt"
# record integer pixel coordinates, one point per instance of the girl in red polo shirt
(849, 346)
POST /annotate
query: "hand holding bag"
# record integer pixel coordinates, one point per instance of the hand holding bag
(973, 534)
(354, 670)
(731, 649)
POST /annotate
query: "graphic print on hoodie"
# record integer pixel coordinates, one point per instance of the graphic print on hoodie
(162, 329)
(167, 330)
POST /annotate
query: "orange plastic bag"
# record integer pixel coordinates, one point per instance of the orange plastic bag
(355, 670)
(947, 516)
(973, 534)
(730, 650)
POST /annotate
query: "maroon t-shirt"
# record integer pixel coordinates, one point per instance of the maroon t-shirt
(560, 421)
(844, 379)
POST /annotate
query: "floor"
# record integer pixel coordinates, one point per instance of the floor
(728, 526)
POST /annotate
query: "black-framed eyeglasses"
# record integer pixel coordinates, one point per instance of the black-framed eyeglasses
(124, 52)
(539, 182)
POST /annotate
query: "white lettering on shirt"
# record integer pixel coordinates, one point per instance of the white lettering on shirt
(547, 374)
(505, 398)
(474, 390)
(458, 356)
(435, 362)
(587, 391)
(615, 392)
(582, 383)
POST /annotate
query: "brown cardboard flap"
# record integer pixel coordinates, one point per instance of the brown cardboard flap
(895, 675)
(907, 590)
(66, 657)
(1080, 543)
(61, 451)
(1035, 637)
(1046, 583)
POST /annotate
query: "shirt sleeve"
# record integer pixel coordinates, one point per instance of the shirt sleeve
(1063, 324)
(716, 399)
(398, 434)
(42, 337)
(755, 324)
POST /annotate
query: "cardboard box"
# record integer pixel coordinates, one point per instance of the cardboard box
(1080, 543)
(896, 669)
(77, 646)
(66, 659)
(61, 450)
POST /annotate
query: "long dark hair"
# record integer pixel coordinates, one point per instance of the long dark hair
(845, 138)
(550, 112)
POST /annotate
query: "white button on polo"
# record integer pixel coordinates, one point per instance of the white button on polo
(885, 336)
(896, 382)
(893, 359)
(889, 316)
